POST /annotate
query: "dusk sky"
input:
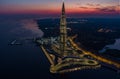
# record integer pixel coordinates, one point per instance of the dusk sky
(53, 7)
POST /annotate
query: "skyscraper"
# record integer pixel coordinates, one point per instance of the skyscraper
(63, 53)
(63, 31)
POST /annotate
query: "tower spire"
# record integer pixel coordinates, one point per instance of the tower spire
(63, 31)
(63, 8)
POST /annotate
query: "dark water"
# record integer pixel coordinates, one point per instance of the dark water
(27, 61)
(116, 45)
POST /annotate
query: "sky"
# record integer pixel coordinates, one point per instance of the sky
(53, 7)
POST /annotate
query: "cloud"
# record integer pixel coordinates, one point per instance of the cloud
(100, 8)
(90, 4)
(26, 28)
(94, 5)
(83, 7)
(107, 9)
(98, 5)
(31, 25)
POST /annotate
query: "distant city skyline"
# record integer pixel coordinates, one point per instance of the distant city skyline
(83, 8)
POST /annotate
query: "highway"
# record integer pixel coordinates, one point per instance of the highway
(102, 59)
(47, 55)
(68, 61)
(78, 62)
(71, 64)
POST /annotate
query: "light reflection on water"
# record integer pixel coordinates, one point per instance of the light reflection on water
(116, 45)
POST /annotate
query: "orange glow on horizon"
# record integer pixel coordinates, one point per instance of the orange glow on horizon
(48, 10)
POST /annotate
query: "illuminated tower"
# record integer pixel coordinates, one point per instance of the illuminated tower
(63, 31)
